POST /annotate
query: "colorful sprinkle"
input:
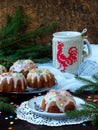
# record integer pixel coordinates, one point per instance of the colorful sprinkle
(6, 118)
(60, 99)
(15, 118)
(64, 96)
(11, 123)
(67, 94)
(50, 98)
(12, 103)
(54, 100)
(65, 100)
(95, 100)
(11, 116)
(61, 104)
(89, 96)
(9, 128)
(88, 99)
(83, 124)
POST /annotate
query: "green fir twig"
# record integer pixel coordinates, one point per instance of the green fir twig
(18, 43)
(89, 110)
(4, 99)
(5, 106)
(90, 85)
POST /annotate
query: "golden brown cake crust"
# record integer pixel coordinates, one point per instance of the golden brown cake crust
(53, 108)
(44, 80)
(70, 106)
(43, 104)
(12, 83)
(58, 101)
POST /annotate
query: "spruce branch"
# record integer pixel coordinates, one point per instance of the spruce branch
(95, 78)
(5, 106)
(8, 42)
(4, 99)
(89, 110)
(84, 79)
(13, 25)
(17, 43)
(91, 86)
(6, 60)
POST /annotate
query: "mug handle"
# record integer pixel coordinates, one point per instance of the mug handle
(89, 49)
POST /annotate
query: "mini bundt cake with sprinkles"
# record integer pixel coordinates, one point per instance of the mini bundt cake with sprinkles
(40, 78)
(12, 82)
(23, 66)
(58, 101)
(2, 69)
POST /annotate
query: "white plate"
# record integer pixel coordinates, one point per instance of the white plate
(30, 91)
(38, 100)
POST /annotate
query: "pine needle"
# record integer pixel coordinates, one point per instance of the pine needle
(91, 86)
(4, 99)
(84, 79)
(6, 107)
(15, 40)
(89, 110)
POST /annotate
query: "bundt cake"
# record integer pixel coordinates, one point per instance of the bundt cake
(2, 69)
(40, 78)
(58, 101)
(23, 66)
(12, 82)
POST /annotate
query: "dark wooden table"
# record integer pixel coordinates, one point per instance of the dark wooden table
(24, 125)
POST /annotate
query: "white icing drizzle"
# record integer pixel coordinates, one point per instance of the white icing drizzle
(37, 73)
(61, 98)
(15, 77)
(20, 65)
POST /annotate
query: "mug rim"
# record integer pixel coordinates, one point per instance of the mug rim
(67, 34)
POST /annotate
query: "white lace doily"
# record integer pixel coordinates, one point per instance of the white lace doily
(25, 113)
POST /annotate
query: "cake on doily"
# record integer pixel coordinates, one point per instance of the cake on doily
(58, 101)
(23, 66)
(2, 69)
(40, 78)
(12, 82)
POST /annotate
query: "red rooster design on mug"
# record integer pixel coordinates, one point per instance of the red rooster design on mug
(65, 61)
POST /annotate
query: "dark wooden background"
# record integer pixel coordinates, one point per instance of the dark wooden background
(69, 15)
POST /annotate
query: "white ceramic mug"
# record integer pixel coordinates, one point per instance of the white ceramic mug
(68, 50)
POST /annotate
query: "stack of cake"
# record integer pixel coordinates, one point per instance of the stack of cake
(24, 73)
